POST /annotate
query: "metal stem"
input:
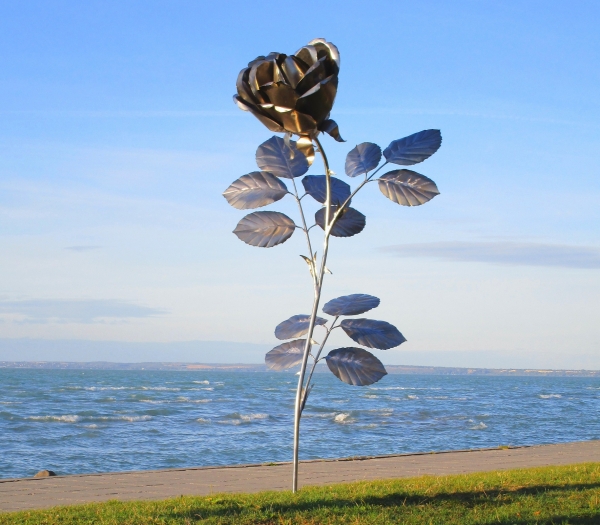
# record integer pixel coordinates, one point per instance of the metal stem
(316, 357)
(300, 391)
(367, 180)
(313, 316)
(305, 229)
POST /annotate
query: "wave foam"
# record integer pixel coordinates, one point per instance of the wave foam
(343, 418)
(480, 426)
(238, 419)
(550, 396)
(61, 419)
(182, 399)
(131, 419)
(252, 417)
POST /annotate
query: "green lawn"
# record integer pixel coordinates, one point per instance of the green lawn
(566, 495)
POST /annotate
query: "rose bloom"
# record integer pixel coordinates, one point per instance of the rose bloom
(293, 94)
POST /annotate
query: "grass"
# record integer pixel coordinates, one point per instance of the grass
(551, 495)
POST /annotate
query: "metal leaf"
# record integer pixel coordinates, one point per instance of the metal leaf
(265, 228)
(355, 366)
(296, 326)
(374, 334)
(316, 187)
(286, 355)
(407, 187)
(350, 223)
(354, 304)
(254, 190)
(414, 148)
(363, 158)
(281, 160)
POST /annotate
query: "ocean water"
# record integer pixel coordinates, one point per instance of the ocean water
(74, 421)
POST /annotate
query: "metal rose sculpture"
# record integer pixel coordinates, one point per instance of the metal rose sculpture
(294, 95)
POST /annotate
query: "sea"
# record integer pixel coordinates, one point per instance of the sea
(78, 421)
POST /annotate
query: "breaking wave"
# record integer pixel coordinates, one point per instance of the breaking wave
(479, 426)
(76, 419)
(239, 419)
(62, 419)
(343, 418)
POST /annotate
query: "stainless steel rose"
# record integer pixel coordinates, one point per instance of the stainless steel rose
(294, 93)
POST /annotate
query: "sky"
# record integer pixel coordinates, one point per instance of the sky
(118, 136)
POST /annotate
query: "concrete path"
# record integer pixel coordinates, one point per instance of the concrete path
(22, 494)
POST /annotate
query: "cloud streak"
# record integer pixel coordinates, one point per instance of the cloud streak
(73, 311)
(82, 248)
(507, 253)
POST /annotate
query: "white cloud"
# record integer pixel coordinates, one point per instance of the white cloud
(507, 253)
(82, 248)
(69, 311)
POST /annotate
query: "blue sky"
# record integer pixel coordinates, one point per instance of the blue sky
(118, 136)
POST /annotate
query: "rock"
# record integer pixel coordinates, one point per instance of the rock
(45, 474)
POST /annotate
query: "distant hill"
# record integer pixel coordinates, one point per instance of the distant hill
(392, 369)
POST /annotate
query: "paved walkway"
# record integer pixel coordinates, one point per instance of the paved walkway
(21, 494)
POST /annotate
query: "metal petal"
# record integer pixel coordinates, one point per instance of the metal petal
(331, 127)
(243, 88)
(276, 158)
(254, 190)
(256, 60)
(318, 101)
(316, 187)
(414, 148)
(265, 228)
(299, 123)
(286, 355)
(355, 366)
(244, 106)
(362, 159)
(350, 223)
(278, 75)
(294, 69)
(374, 334)
(354, 304)
(308, 55)
(296, 326)
(281, 95)
(271, 124)
(313, 76)
(407, 187)
(306, 147)
(261, 74)
(330, 49)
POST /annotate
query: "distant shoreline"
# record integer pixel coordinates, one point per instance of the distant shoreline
(241, 367)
